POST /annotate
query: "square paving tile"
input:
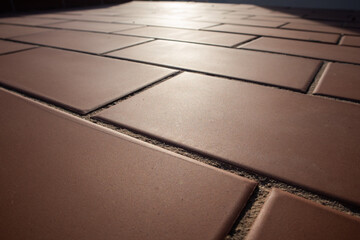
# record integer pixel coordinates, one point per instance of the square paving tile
(340, 80)
(94, 26)
(282, 33)
(81, 41)
(7, 31)
(300, 139)
(285, 216)
(6, 46)
(221, 39)
(307, 49)
(65, 178)
(350, 41)
(76, 81)
(286, 71)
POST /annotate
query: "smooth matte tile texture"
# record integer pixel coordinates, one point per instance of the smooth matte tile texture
(322, 28)
(350, 41)
(29, 21)
(65, 178)
(94, 26)
(221, 39)
(175, 23)
(340, 80)
(285, 216)
(281, 33)
(7, 31)
(6, 46)
(286, 71)
(76, 81)
(307, 49)
(82, 41)
(301, 139)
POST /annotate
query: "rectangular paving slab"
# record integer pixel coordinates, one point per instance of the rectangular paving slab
(281, 33)
(65, 178)
(300, 139)
(286, 71)
(29, 21)
(94, 26)
(76, 81)
(196, 36)
(340, 80)
(82, 41)
(350, 41)
(7, 31)
(6, 46)
(286, 216)
(239, 20)
(323, 28)
(307, 49)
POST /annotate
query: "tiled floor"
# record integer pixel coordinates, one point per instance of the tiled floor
(174, 120)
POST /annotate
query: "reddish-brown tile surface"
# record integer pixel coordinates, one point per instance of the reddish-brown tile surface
(340, 80)
(350, 41)
(300, 139)
(285, 216)
(29, 21)
(307, 49)
(94, 26)
(77, 81)
(273, 69)
(7, 31)
(281, 33)
(322, 28)
(221, 39)
(81, 41)
(6, 46)
(65, 178)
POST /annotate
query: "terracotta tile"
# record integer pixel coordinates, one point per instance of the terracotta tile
(340, 80)
(241, 21)
(307, 49)
(7, 31)
(76, 81)
(29, 21)
(322, 28)
(285, 216)
(221, 39)
(255, 66)
(94, 26)
(66, 178)
(82, 41)
(6, 47)
(350, 41)
(300, 139)
(282, 33)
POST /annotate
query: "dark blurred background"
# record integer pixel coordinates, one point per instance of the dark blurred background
(33, 5)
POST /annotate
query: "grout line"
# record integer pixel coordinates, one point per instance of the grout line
(17, 51)
(136, 92)
(133, 45)
(245, 42)
(340, 39)
(281, 25)
(316, 78)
